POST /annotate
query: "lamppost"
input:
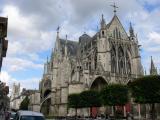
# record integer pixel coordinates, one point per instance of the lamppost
(0, 31)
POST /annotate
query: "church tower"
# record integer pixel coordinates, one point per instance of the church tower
(102, 46)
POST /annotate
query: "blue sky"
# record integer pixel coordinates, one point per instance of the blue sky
(32, 30)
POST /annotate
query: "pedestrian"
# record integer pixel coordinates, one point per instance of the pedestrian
(7, 115)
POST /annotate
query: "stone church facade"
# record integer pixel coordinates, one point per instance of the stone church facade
(110, 56)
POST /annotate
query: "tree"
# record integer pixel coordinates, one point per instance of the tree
(147, 90)
(115, 95)
(74, 101)
(24, 104)
(90, 99)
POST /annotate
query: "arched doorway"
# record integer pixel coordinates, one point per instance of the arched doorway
(45, 108)
(98, 84)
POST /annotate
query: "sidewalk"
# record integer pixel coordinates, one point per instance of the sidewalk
(2, 117)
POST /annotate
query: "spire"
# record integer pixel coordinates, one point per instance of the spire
(66, 46)
(58, 45)
(58, 31)
(44, 69)
(152, 64)
(145, 72)
(58, 42)
(103, 23)
(47, 59)
(153, 69)
(131, 31)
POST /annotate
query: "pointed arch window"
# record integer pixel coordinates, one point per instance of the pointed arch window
(114, 33)
(113, 60)
(121, 60)
(128, 63)
(117, 35)
(102, 33)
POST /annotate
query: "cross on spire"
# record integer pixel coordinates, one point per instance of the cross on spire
(115, 7)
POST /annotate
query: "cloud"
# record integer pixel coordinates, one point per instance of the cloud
(154, 37)
(23, 30)
(25, 41)
(19, 64)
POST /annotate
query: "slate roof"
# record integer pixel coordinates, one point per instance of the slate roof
(84, 38)
(72, 46)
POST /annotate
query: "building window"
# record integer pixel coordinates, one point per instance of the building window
(121, 60)
(114, 35)
(113, 60)
(119, 34)
(102, 33)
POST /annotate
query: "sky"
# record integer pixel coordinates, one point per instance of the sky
(32, 31)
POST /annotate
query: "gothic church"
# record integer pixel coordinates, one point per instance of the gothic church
(110, 56)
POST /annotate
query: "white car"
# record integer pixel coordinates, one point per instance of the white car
(29, 115)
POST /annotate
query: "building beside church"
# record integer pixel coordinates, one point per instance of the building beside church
(34, 101)
(109, 56)
(15, 99)
(18, 95)
(4, 90)
(3, 41)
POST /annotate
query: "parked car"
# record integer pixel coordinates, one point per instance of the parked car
(29, 115)
(12, 115)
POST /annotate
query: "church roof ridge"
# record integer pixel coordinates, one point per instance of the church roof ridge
(61, 39)
(85, 34)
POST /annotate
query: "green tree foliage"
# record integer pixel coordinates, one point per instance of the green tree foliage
(74, 101)
(146, 90)
(115, 95)
(24, 104)
(90, 98)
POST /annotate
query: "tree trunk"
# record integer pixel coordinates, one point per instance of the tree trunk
(114, 112)
(76, 114)
(153, 115)
(90, 111)
(124, 111)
